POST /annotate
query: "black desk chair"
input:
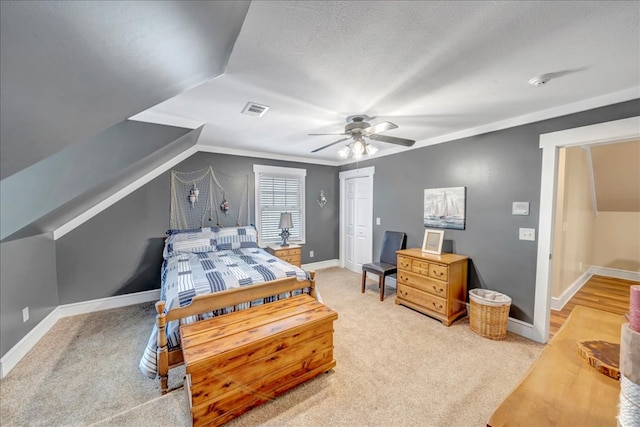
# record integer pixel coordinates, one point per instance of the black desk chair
(391, 242)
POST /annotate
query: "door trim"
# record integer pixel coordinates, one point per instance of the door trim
(617, 130)
(354, 173)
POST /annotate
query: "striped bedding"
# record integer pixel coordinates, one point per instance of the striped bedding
(188, 274)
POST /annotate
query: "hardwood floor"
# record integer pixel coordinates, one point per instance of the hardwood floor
(603, 293)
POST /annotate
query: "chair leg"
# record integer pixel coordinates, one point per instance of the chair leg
(382, 287)
(364, 280)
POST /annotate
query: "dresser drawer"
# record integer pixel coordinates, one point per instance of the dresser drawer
(288, 252)
(424, 299)
(438, 271)
(404, 262)
(292, 259)
(423, 283)
(420, 267)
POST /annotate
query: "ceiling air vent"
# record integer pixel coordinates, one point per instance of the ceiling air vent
(254, 109)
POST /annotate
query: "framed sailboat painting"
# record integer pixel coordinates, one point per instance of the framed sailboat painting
(445, 207)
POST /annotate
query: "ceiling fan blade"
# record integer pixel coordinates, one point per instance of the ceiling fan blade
(392, 140)
(316, 134)
(380, 127)
(329, 145)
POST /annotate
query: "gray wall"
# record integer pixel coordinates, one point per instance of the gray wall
(49, 184)
(69, 70)
(28, 279)
(497, 168)
(322, 223)
(119, 251)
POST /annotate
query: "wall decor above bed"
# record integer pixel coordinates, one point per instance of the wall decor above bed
(445, 207)
(205, 197)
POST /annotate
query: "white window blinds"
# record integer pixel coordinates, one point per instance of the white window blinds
(279, 190)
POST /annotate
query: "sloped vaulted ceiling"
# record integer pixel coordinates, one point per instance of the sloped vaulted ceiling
(69, 70)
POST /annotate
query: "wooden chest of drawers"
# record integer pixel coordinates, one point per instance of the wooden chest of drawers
(238, 361)
(291, 254)
(435, 285)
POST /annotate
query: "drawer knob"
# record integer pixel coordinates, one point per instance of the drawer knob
(439, 307)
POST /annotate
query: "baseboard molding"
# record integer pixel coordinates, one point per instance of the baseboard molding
(521, 328)
(558, 303)
(618, 274)
(321, 264)
(516, 326)
(18, 351)
(84, 307)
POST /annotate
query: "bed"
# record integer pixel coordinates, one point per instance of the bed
(210, 272)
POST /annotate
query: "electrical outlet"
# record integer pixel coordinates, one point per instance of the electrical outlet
(311, 254)
(527, 234)
(378, 221)
(25, 314)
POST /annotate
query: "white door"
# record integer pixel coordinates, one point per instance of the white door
(358, 233)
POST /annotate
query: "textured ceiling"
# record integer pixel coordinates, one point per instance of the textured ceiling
(439, 70)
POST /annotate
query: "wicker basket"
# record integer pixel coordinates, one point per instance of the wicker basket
(489, 313)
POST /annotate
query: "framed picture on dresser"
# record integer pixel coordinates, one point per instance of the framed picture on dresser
(432, 242)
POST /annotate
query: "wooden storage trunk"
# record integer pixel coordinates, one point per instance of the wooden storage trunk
(238, 361)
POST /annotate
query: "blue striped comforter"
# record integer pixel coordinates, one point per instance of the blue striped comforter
(186, 275)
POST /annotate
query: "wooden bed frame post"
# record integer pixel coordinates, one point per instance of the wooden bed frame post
(312, 284)
(162, 350)
(205, 303)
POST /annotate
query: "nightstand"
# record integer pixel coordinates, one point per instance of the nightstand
(291, 254)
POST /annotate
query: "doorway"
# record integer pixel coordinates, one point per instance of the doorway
(618, 130)
(356, 218)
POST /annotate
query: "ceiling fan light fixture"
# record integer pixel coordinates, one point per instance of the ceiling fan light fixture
(343, 153)
(358, 147)
(371, 150)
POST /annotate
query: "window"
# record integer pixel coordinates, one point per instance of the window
(279, 190)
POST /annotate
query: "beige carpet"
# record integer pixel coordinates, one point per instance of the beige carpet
(395, 367)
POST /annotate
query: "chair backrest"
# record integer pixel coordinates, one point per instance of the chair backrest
(391, 242)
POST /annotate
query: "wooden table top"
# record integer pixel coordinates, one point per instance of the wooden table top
(561, 388)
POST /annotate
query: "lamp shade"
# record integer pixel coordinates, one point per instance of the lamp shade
(285, 220)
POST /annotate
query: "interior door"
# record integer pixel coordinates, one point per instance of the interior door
(358, 222)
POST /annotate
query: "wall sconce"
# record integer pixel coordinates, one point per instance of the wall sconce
(322, 200)
(285, 224)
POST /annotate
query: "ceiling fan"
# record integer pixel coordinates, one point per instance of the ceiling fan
(357, 128)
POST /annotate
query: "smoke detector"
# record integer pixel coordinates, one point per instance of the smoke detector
(540, 80)
(253, 109)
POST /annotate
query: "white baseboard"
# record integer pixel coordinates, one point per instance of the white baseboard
(520, 328)
(84, 307)
(321, 264)
(516, 326)
(618, 274)
(558, 303)
(18, 351)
